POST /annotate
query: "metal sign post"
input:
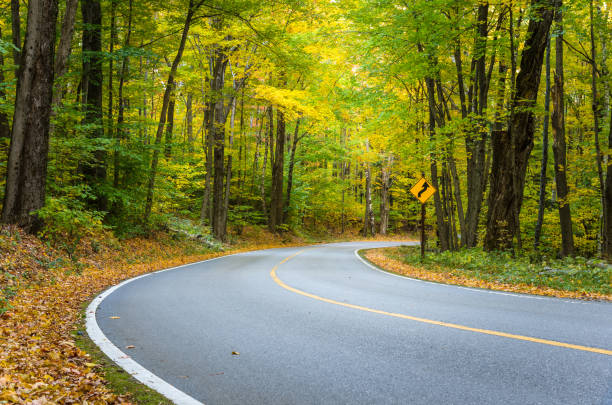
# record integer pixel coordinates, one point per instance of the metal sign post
(423, 191)
(423, 241)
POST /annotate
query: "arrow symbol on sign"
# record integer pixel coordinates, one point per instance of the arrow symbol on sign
(425, 187)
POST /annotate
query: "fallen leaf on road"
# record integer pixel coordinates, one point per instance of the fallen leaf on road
(235, 353)
(130, 347)
(115, 317)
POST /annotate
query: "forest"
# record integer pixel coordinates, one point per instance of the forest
(140, 135)
(310, 116)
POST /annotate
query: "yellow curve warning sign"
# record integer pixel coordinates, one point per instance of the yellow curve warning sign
(423, 190)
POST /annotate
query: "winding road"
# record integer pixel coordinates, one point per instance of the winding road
(316, 325)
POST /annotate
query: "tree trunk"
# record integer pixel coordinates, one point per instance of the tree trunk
(5, 128)
(542, 197)
(189, 116)
(441, 221)
(205, 212)
(164, 111)
(508, 174)
(368, 220)
(228, 179)
(121, 101)
(296, 139)
(111, 49)
(384, 197)
(607, 220)
(170, 127)
(64, 47)
(219, 67)
(16, 33)
(94, 170)
(607, 249)
(268, 138)
(559, 148)
(27, 161)
(276, 193)
(476, 142)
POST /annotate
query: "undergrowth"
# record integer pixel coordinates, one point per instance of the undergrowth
(568, 274)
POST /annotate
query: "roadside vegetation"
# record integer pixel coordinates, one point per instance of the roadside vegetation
(570, 277)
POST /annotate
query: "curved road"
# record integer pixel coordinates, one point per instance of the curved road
(324, 328)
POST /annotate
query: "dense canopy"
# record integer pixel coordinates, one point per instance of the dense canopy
(314, 116)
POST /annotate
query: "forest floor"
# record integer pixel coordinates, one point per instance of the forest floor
(569, 278)
(44, 288)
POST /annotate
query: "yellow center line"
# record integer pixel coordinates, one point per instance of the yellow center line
(430, 321)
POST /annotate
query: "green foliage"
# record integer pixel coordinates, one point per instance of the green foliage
(570, 273)
(67, 221)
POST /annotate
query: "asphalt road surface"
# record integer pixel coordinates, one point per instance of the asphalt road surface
(324, 328)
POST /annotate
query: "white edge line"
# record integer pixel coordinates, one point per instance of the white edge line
(126, 362)
(476, 290)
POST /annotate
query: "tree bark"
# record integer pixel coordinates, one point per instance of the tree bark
(219, 117)
(5, 128)
(441, 221)
(170, 127)
(296, 139)
(368, 220)
(164, 110)
(28, 151)
(559, 148)
(64, 47)
(607, 249)
(121, 101)
(94, 170)
(267, 140)
(605, 202)
(508, 174)
(542, 193)
(276, 193)
(228, 180)
(476, 142)
(16, 32)
(384, 196)
(205, 211)
(189, 116)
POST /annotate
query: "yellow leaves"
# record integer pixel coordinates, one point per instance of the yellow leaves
(294, 102)
(114, 317)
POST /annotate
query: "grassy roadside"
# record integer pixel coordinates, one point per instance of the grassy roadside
(569, 278)
(118, 381)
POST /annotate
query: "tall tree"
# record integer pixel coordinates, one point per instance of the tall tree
(509, 169)
(542, 193)
(121, 101)
(94, 170)
(276, 192)
(27, 162)
(294, 143)
(476, 142)
(384, 195)
(368, 217)
(559, 148)
(16, 32)
(164, 108)
(64, 47)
